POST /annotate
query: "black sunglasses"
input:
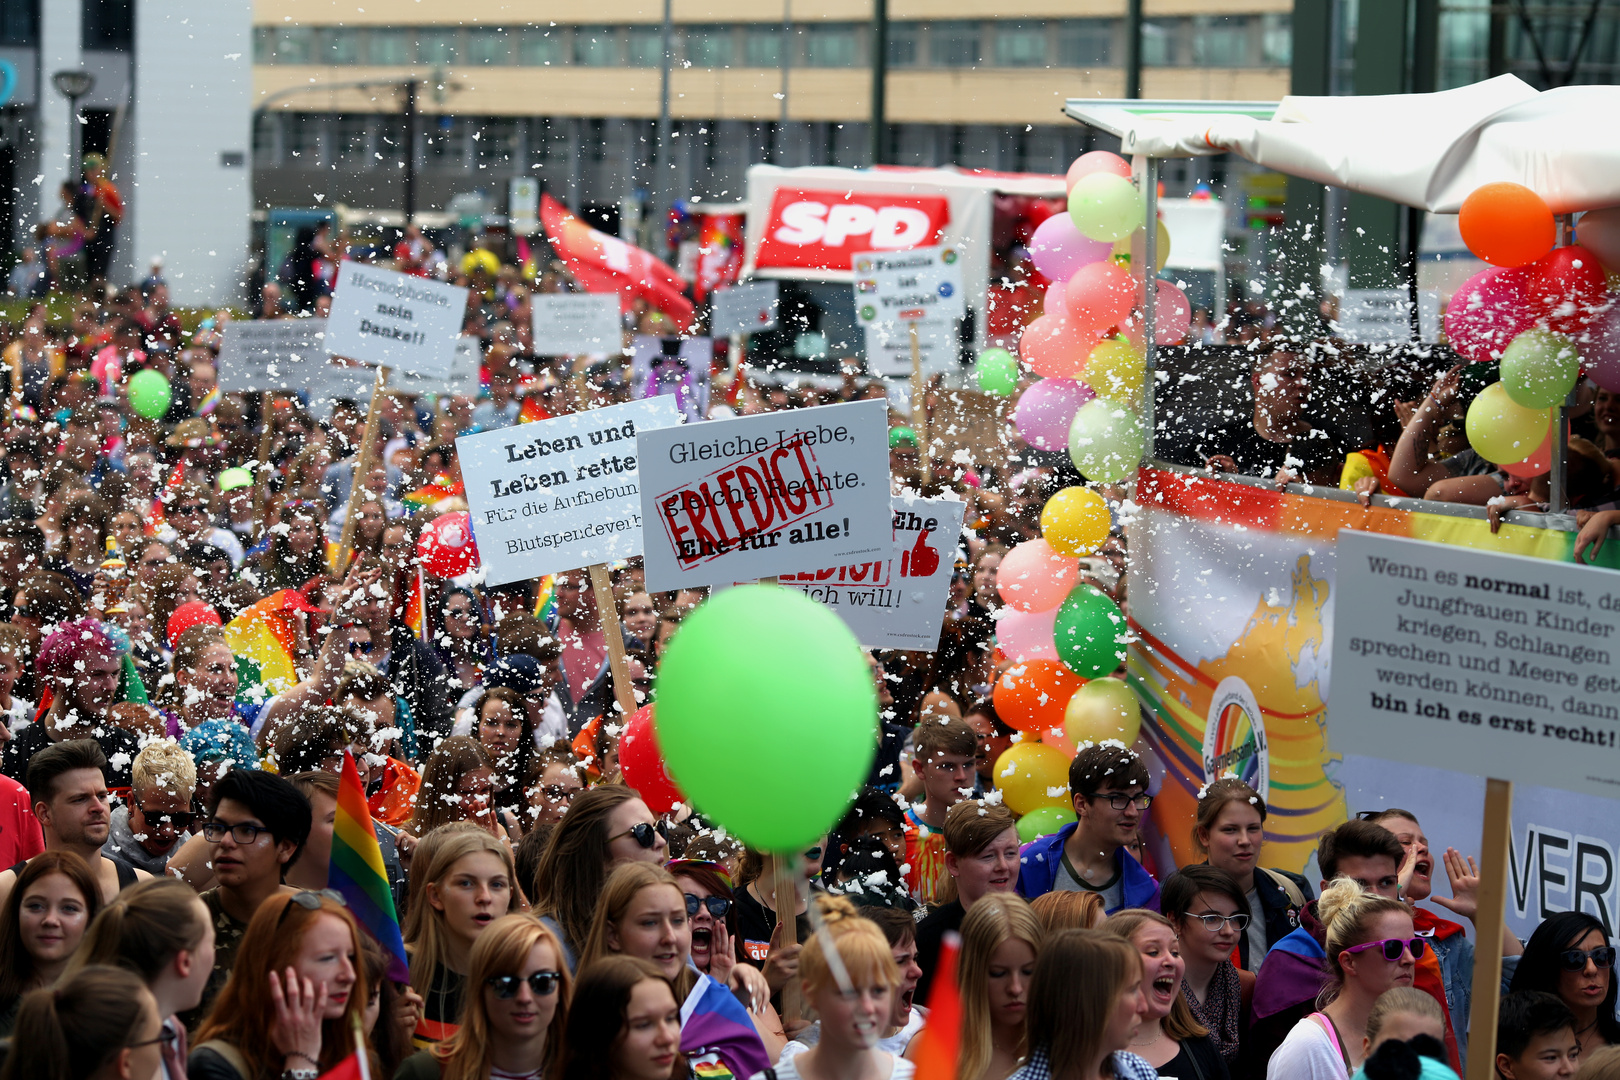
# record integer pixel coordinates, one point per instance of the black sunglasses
(717, 905)
(181, 820)
(543, 983)
(360, 647)
(1575, 959)
(643, 833)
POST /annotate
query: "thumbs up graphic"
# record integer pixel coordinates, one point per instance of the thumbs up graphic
(921, 560)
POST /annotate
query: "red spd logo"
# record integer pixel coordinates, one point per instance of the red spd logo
(821, 230)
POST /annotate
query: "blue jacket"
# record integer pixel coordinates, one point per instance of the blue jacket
(1040, 858)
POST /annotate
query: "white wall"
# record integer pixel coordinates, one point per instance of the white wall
(60, 23)
(193, 99)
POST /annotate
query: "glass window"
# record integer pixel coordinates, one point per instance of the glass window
(389, 47)
(340, 45)
(538, 47)
(19, 22)
(435, 46)
(1220, 41)
(489, 45)
(596, 46)
(443, 142)
(1084, 43)
(831, 45)
(1277, 39)
(350, 141)
(1020, 44)
(644, 46)
(264, 136)
(264, 45)
(390, 147)
(495, 142)
(295, 44)
(954, 44)
(1159, 43)
(762, 46)
(905, 44)
(708, 46)
(301, 137)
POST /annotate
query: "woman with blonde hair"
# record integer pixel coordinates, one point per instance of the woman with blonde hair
(1402, 1014)
(1171, 1039)
(1001, 939)
(512, 1025)
(1063, 909)
(1085, 1008)
(1602, 1065)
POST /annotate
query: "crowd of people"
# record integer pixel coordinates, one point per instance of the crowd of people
(167, 811)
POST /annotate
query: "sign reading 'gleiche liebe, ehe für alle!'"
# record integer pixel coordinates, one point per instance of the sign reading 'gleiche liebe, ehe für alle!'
(735, 500)
(559, 494)
(394, 320)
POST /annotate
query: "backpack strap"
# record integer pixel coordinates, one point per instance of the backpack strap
(233, 1057)
(1287, 884)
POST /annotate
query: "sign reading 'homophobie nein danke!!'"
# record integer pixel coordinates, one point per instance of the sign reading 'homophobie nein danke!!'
(1498, 665)
(734, 500)
(382, 317)
(559, 494)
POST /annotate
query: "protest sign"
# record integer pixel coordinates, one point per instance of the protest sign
(270, 354)
(732, 500)
(559, 494)
(888, 347)
(393, 320)
(1498, 665)
(567, 323)
(908, 286)
(678, 367)
(743, 309)
(463, 377)
(896, 602)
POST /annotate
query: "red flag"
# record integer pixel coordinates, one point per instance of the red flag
(352, 1067)
(604, 263)
(941, 1045)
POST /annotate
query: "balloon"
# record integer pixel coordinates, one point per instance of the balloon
(1536, 464)
(1046, 409)
(1076, 521)
(1053, 346)
(1030, 776)
(149, 394)
(1043, 821)
(1088, 629)
(997, 372)
(1600, 348)
(1106, 440)
(1500, 429)
(1132, 251)
(1490, 310)
(766, 715)
(643, 766)
(1599, 232)
(1118, 370)
(1026, 635)
(1099, 295)
(1506, 224)
(447, 547)
(1569, 288)
(1058, 249)
(1105, 206)
(1093, 162)
(1033, 577)
(189, 614)
(1053, 300)
(1172, 314)
(1031, 695)
(1056, 737)
(1101, 709)
(1539, 369)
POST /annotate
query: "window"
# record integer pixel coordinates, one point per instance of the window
(350, 141)
(389, 47)
(596, 46)
(443, 142)
(264, 136)
(644, 46)
(301, 138)
(295, 44)
(340, 45)
(1084, 43)
(489, 46)
(1020, 44)
(1159, 43)
(19, 22)
(831, 45)
(708, 46)
(538, 47)
(390, 147)
(108, 24)
(954, 44)
(905, 44)
(1277, 40)
(264, 43)
(495, 142)
(762, 46)
(435, 46)
(1220, 41)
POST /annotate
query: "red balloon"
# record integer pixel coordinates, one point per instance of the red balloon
(1099, 295)
(1568, 288)
(1536, 464)
(447, 548)
(642, 763)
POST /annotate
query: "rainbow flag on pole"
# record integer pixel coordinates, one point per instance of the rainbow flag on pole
(357, 871)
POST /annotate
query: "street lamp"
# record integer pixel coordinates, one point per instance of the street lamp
(73, 85)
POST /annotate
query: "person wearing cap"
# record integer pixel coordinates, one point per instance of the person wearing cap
(236, 491)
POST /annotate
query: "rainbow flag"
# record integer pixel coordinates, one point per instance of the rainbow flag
(941, 1043)
(356, 870)
(713, 1020)
(441, 487)
(416, 608)
(532, 410)
(264, 638)
(545, 606)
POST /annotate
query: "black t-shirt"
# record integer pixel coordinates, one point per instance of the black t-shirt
(1198, 1059)
(118, 744)
(1323, 447)
(756, 923)
(930, 933)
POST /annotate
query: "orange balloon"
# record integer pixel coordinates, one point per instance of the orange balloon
(1099, 295)
(1059, 739)
(1032, 695)
(1053, 346)
(1507, 224)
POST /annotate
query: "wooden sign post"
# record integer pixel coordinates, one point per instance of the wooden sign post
(618, 663)
(1488, 923)
(362, 470)
(786, 888)
(919, 407)
(261, 481)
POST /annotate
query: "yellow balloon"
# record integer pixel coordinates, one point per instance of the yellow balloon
(1116, 370)
(1501, 430)
(1129, 251)
(1103, 709)
(1075, 522)
(1031, 775)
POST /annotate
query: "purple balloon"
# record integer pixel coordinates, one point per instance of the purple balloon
(1058, 249)
(1488, 312)
(1046, 409)
(1600, 349)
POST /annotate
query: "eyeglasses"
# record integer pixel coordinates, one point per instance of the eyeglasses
(1392, 947)
(166, 1035)
(243, 832)
(559, 793)
(543, 983)
(1121, 801)
(310, 900)
(1213, 922)
(644, 833)
(1575, 959)
(717, 905)
(181, 820)
(190, 508)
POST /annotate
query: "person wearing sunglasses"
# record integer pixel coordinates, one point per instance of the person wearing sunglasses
(158, 816)
(98, 1022)
(1371, 947)
(712, 911)
(512, 1026)
(1571, 957)
(1209, 913)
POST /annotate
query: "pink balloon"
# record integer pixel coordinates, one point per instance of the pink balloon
(1054, 347)
(1096, 161)
(1058, 249)
(1054, 300)
(1537, 463)
(1172, 314)
(1033, 577)
(1100, 295)
(1598, 231)
(1027, 635)
(1488, 312)
(1046, 409)
(1600, 349)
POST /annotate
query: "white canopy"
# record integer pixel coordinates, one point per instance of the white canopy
(1423, 150)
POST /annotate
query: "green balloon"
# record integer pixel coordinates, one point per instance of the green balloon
(1539, 368)
(1105, 206)
(1087, 632)
(1105, 440)
(149, 394)
(997, 372)
(1043, 822)
(766, 715)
